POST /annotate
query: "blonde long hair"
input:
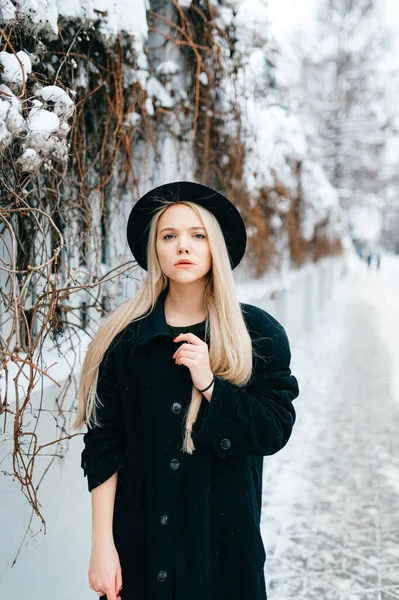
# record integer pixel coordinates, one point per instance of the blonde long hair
(230, 346)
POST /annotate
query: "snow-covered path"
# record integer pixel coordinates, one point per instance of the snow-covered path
(330, 517)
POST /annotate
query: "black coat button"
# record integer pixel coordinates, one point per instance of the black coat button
(174, 464)
(225, 444)
(162, 575)
(164, 519)
(176, 407)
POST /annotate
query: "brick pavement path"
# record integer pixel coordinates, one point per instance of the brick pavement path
(330, 516)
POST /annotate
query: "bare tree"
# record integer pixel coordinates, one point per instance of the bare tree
(344, 92)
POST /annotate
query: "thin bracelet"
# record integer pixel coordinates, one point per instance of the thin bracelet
(207, 388)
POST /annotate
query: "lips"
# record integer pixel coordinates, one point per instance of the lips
(184, 262)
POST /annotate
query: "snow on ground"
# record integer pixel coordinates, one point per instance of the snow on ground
(330, 497)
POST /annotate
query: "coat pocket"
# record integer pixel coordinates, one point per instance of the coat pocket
(248, 531)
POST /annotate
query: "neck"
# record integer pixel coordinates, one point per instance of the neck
(184, 305)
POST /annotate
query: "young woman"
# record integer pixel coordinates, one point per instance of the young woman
(194, 388)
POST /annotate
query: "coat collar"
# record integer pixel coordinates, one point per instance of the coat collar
(154, 323)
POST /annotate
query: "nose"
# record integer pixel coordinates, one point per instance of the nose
(182, 248)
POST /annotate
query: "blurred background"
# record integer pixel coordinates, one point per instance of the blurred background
(288, 108)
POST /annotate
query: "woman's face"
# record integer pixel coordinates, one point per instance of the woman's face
(181, 235)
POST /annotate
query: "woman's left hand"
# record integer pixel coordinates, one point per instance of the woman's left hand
(194, 354)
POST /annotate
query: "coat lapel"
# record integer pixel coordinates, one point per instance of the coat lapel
(154, 323)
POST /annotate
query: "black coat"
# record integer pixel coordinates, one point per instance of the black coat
(188, 526)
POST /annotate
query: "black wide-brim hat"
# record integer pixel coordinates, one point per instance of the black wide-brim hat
(229, 218)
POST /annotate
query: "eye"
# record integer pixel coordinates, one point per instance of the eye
(169, 234)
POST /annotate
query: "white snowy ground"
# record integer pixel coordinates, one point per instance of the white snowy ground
(330, 517)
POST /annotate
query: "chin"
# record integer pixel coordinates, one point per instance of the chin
(184, 278)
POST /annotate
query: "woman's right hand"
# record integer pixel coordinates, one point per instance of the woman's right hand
(105, 574)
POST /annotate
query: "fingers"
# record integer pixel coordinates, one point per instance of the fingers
(187, 354)
(192, 348)
(118, 583)
(189, 337)
(179, 353)
(184, 347)
(99, 591)
(187, 362)
(111, 594)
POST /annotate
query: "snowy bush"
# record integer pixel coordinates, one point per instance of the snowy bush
(40, 126)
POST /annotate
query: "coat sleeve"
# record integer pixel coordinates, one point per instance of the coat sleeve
(103, 454)
(255, 419)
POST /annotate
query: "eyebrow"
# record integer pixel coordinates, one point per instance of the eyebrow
(174, 229)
